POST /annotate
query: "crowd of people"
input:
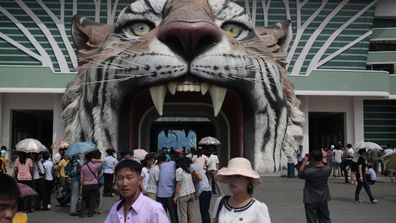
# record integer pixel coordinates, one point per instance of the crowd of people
(344, 160)
(316, 168)
(169, 182)
(358, 166)
(172, 179)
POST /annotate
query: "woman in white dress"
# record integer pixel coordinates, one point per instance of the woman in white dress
(240, 206)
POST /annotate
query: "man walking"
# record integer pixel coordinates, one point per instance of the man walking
(316, 190)
(361, 177)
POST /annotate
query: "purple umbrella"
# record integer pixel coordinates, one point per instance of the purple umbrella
(25, 190)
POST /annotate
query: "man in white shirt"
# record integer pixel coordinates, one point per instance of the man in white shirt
(213, 166)
(108, 172)
(48, 181)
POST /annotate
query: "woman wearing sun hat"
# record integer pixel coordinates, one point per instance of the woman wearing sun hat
(240, 206)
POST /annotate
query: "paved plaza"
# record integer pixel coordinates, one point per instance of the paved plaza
(284, 199)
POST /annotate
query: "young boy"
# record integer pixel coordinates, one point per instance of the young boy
(9, 196)
(134, 206)
(371, 174)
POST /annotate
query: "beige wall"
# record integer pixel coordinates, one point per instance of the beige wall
(28, 101)
(352, 107)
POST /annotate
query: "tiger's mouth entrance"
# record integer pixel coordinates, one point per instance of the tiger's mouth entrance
(185, 98)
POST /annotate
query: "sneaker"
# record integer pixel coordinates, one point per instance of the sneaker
(374, 201)
(358, 201)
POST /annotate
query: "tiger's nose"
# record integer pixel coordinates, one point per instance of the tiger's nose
(189, 39)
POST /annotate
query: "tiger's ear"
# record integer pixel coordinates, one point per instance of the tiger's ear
(88, 34)
(276, 37)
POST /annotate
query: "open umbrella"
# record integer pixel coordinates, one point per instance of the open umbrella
(209, 140)
(25, 190)
(80, 148)
(368, 146)
(140, 153)
(390, 160)
(58, 145)
(30, 145)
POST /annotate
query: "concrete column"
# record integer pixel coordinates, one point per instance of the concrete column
(58, 125)
(349, 122)
(305, 108)
(1, 118)
(358, 119)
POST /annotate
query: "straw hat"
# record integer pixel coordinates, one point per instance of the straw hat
(238, 166)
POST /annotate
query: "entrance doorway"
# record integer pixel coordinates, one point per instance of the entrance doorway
(193, 120)
(325, 129)
(35, 124)
(178, 132)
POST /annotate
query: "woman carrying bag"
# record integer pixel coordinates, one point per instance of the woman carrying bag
(23, 171)
(89, 181)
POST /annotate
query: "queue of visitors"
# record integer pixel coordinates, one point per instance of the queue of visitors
(173, 178)
(169, 182)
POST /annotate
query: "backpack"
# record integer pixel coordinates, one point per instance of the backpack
(70, 170)
(41, 169)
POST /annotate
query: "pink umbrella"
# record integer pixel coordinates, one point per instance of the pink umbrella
(25, 190)
(140, 153)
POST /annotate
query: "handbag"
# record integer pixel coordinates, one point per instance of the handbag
(221, 204)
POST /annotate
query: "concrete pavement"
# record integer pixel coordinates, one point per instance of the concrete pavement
(283, 197)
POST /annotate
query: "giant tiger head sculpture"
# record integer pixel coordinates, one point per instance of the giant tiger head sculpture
(180, 48)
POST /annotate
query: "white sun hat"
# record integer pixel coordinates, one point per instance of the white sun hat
(238, 166)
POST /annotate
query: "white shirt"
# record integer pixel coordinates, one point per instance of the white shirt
(48, 169)
(143, 210)
(109, 164)
(153, 179)
(350, 152)
(187, 185)
(337, 156)
(145, 175)
(213, 160)
(373, 175)
(254, 212)
(202, 160)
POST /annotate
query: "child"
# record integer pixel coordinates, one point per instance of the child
(134, 206)
(371, 175)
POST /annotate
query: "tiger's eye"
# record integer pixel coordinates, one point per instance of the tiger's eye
(140, 28)
(233, 30)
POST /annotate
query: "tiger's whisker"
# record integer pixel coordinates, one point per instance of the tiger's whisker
(117, 80)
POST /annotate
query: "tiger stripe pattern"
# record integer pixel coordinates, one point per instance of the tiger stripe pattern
(156, 42)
